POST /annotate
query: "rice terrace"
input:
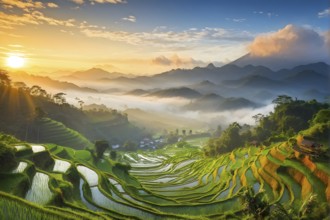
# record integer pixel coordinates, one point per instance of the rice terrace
(146, 110)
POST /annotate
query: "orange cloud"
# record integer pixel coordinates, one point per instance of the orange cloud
(22, 4)
(177, 61)
(8, 21)
(289, 41)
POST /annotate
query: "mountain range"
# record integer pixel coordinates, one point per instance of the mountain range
(238, 87)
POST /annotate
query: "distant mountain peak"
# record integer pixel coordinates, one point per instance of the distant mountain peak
(94, 70)
(211, 66)
(95, 73)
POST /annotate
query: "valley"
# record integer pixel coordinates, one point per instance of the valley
(164, 110)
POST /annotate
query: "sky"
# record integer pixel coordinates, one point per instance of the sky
(150, 36)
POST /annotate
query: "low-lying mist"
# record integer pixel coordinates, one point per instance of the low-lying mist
(167, 113)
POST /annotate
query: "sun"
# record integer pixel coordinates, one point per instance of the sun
(15, 61)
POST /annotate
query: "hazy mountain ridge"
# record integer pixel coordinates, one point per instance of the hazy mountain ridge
(181, 92)
(94, 74)
(192, 78)
(48, 82)
(213, 103)
(233, 87)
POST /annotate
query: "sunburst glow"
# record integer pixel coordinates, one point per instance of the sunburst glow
(15, 61)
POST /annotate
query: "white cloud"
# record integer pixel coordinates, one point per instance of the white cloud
(130, 18)
(164, 37)
(52, 5)
(239, 19)
(236, 19)
(268, 14)
(324, 13)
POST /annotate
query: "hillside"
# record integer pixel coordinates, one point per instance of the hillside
(254, 81)
(166, 183)
(20, 112)
(50, 131)
(280, 167)
(308, 79)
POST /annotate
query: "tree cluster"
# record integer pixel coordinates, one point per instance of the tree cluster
(289, 117)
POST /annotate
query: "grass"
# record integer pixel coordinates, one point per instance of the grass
(55, 132)
(16, 208)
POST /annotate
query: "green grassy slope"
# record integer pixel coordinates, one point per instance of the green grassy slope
(170, 183)
(51, 131)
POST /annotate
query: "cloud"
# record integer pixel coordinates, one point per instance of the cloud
(268, 14)
(177, 61)
(130, 18)
(290, 42)
(324, 13)
(52, 5)
(165, 38)
(238, 20)
(39, 16)
(326, 36)
(68, 32)
(25, 5)
(9, 21)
